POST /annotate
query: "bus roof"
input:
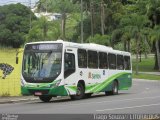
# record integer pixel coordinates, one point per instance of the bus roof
(88, 46)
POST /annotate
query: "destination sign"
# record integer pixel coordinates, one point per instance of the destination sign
(55, 46)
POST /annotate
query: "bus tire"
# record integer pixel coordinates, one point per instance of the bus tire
(115, 88)
(80, 93)
(88, 95)
(108, 93)
(45, 98)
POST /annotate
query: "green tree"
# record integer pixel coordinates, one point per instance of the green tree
(137, 23)
(100, 39)
(155, 37)
(153, 12)
(61, 6)
(43, 24)
(14, 19)
(43, 30)
(147, 44)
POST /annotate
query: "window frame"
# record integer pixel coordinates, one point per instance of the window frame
(122, 62)
(93, 59)
(85, 58)
(68, 72)
(128, 67)
(115, 62)
(104, 61)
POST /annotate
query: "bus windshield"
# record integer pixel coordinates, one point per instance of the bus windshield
(41, 65)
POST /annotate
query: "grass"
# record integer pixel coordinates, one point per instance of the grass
(147, 76)
(11, 84)
(146, 65)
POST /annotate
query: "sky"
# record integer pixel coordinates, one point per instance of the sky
(25, 2)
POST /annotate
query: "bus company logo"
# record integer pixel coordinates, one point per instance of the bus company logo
(94, 76)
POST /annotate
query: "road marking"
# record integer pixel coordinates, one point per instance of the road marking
(129, 107)
(133, 99)
(120, 100)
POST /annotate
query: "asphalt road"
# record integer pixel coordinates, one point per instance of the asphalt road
(143, 97)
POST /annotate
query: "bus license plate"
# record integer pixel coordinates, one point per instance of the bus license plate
(38, 93)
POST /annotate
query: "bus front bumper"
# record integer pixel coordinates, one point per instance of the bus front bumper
(57, 91)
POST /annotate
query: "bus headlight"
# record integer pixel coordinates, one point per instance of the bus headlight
(22, 83)
(56, 83)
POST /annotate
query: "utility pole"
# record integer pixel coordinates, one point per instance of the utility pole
(91, 11)
(102, 17)
(46, 6)
(81, 21)
(30, 17)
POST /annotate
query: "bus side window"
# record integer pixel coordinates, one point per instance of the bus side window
(112, 61)
(82, 58)
(120, 61)
(69, 63)
(103, 60)
(92, 59)
(127, 64)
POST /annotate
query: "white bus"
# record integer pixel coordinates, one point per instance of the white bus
(59, 68)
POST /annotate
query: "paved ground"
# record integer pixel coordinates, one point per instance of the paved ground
(152, 73)
(143, 97)
(14, 99)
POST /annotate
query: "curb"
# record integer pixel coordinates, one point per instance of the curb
(17, 100)
(146, 80)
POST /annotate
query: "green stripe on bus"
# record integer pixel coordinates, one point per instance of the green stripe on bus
(73, 88)
(101, 86)
(60, 90)
(98, 87)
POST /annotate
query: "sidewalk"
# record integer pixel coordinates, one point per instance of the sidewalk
(13, 99)
(151, 73)
(17, 99)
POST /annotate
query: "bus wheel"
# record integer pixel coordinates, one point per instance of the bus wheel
(45, 98)
(115, 88)
(108, 93)
(80, 93)
(88, 95)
